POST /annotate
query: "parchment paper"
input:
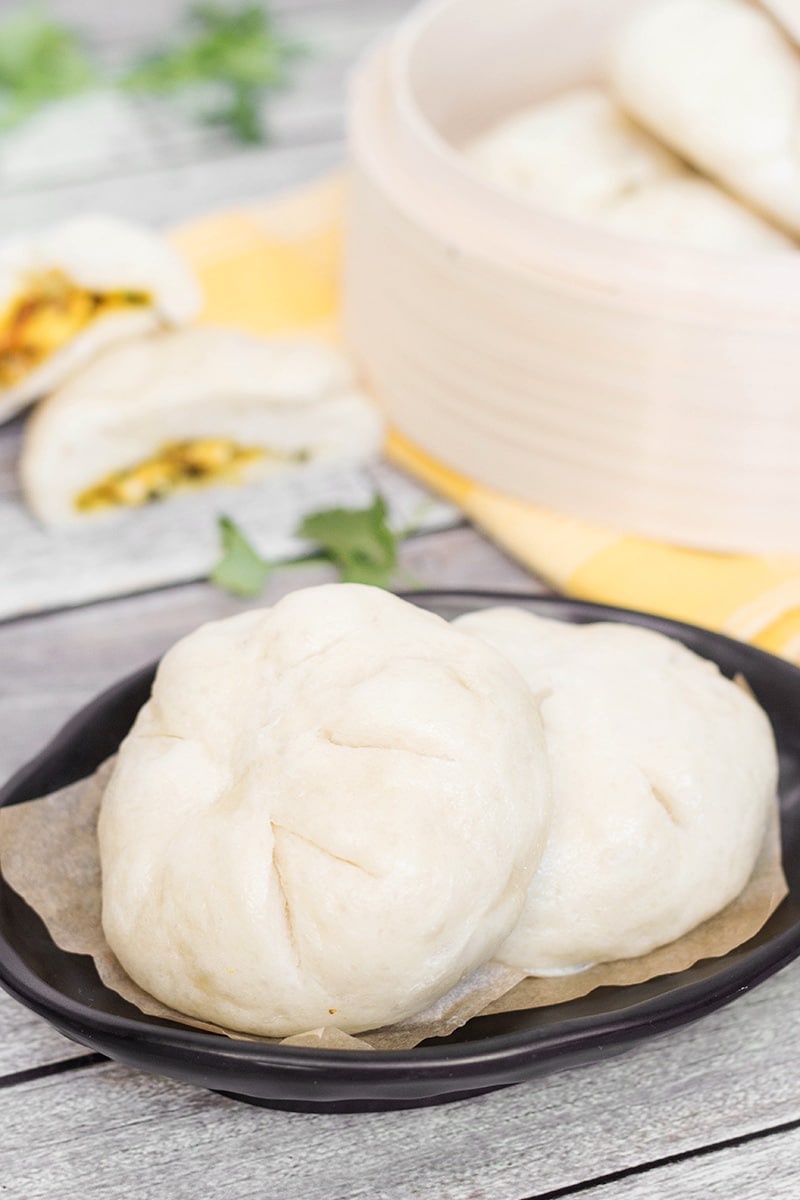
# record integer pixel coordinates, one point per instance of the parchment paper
(49, 855)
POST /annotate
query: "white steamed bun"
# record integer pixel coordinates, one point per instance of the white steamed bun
(787, 15)
(285, 401)
(328, 813)
(41, 276)
(720, 83)
(664, 774)
(581, 156)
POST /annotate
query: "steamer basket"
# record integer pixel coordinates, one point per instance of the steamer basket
(632, 384)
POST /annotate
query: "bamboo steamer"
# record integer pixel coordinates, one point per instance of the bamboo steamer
(651, 388)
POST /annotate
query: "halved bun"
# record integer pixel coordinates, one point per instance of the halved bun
(101, 256)
(280, 402)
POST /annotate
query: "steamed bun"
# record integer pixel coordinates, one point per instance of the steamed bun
(580, 155)
(73, 290)
(719, 82)
(328, 813)
(664, 775)
(191, 408)
(577, 153)
(787, 15)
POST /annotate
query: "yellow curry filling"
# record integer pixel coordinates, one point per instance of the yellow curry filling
(177, 465)
(49, 314)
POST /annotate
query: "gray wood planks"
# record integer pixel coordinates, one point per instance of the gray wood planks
(175, 192)
(730, 1075)
(27, 1041)
(763, 1169)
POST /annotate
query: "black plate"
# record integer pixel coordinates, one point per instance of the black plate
(488, 1052)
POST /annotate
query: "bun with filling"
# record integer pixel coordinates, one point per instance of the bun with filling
(67, 293)
(156, 417)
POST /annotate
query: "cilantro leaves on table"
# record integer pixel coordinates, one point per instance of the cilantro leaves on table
(227, 60)
(237, 49)
(40, 61)
(359, 542)
(241, 569)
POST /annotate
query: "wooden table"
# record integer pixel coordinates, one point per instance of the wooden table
(712, 1109)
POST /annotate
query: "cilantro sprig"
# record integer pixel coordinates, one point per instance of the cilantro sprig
(40, 61)
(239, 51)
(225, 58)
(241, 569)
(359, 542)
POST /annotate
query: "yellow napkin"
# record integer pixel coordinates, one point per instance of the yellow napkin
(274, 268)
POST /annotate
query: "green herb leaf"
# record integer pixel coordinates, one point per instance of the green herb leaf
(40, 61)
(239, 50)
(241, 569)
(358, 541)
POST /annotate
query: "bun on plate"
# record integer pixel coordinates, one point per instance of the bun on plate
(328, 813)
(664, 776)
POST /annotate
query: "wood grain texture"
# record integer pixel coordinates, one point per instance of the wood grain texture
(27, 1041)
(168, 193)
(727, 1076)
(763, 1169)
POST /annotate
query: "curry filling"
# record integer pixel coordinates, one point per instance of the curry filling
(50, 312)
(177, 465)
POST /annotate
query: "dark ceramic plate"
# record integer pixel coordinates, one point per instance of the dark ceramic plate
(489, 1052)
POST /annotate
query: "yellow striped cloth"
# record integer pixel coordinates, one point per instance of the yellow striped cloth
(274, 268)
